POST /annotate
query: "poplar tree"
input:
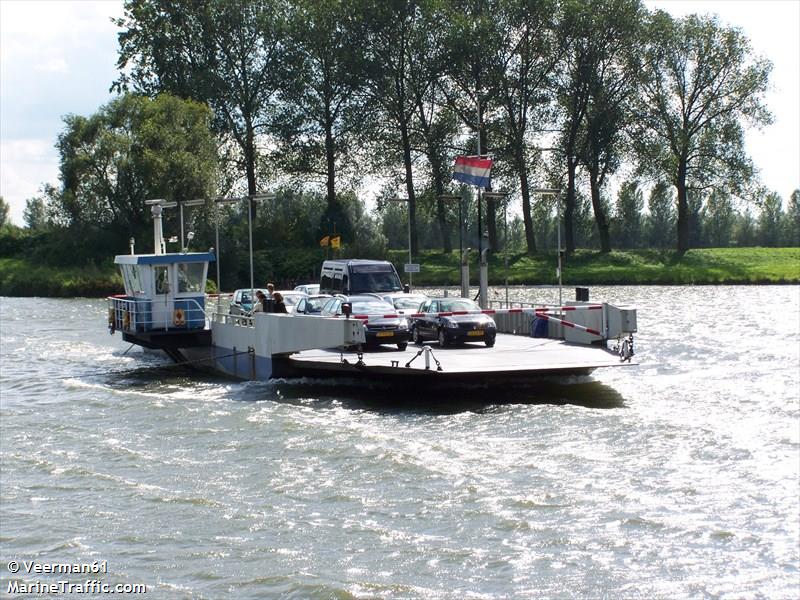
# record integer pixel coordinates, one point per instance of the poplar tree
(700, 85)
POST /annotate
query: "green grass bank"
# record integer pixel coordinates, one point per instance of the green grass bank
(712, 266)
(708, 266)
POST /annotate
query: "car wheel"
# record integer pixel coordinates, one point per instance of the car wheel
(489, 341)
(417, 337)
(402, 346)
(442, 339)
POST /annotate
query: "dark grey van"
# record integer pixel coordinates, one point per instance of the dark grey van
(358, 276)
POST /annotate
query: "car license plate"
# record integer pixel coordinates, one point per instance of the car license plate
(384, 334)
(475, 333)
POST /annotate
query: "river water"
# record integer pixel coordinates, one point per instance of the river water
(678, 478)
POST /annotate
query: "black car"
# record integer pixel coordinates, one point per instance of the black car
(453, 321)
(382, 323)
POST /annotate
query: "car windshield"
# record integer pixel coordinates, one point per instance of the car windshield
(371, 307)
(457, 305)
(409, 302)
(315, 304)
(374, 281)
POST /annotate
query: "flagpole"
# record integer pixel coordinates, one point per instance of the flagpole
(481, 296)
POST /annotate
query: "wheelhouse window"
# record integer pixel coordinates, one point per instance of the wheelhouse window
(190, 277)
(161, 277)
(132, 279)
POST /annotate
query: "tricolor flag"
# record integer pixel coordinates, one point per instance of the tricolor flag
(473, 170)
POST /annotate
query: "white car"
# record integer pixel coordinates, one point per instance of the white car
(291, 298)
(312, 289)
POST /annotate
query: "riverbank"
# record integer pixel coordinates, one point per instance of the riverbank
(707, 266)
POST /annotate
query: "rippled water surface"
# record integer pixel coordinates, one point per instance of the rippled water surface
(678, 478)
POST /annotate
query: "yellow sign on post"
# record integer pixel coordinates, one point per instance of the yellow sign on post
(325, 241)
(336, 241)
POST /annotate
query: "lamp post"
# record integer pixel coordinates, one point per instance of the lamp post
(460, 200)
(181, 204)
(251, 200)
(217, 202)
(502, 196)
(555, 192)
(409, 236)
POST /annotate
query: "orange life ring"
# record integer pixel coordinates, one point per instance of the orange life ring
(179, 317)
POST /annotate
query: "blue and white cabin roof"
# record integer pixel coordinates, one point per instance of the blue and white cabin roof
(164, 259)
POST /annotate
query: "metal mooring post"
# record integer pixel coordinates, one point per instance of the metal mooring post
(484, 279)
(465, 273)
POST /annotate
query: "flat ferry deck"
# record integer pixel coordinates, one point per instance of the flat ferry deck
(512, 358)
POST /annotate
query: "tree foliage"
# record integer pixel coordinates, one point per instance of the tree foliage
(133, 149)
(700, 85)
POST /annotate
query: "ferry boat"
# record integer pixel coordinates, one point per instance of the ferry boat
(165, 307)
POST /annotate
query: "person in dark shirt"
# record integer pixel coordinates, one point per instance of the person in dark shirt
(260, 305)
(279, 306)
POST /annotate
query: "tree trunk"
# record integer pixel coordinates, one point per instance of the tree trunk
(441, 213)
(412, 202)
(683, 208)
(599, 213)
(527, 219)
(569, 206)
(250, 160)
(330, 161)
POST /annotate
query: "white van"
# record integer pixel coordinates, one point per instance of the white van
(358, 276)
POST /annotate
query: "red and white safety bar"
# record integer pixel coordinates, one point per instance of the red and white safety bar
(542, 313)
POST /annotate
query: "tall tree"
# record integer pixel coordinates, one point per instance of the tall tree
(572, 93)
(397, 51)
(661, 220)
(131, 150)
(324, 106)
(435, 121)
(520, 74)
(628, 215)
(700, 84)
(228, 53)
(474, 35)
(793, 220)
(719, 217)
(4, 210)
(612, 71)
(770, 220)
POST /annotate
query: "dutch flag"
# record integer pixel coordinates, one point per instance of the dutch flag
(473, 170)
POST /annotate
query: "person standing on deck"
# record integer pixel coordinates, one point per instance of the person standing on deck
(279, 306)
(269, 302)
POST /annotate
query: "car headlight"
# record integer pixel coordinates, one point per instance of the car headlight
(451, 324)
(402, 325)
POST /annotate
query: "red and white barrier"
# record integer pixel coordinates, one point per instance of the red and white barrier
(505, 311)
(542, 313)
(569, 324)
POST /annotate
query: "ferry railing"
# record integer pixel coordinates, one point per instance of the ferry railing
(218, 303)
(140, 315)
(241, 320)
